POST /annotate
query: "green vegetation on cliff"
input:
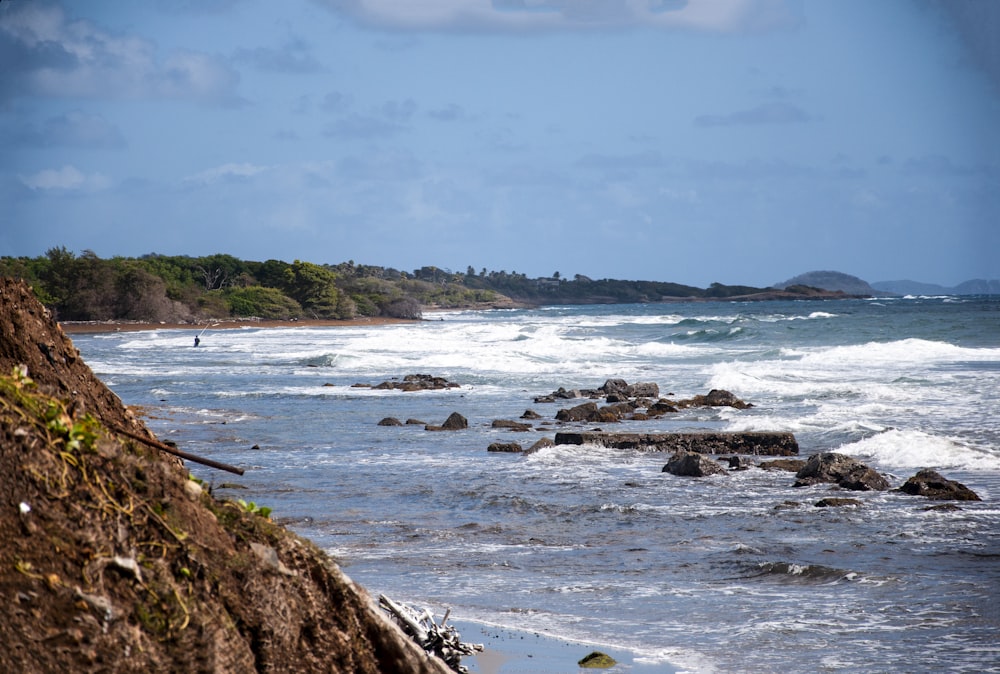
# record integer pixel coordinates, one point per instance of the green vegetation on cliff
(180, 288)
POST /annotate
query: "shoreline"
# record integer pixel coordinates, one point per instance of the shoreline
(522, 651)
(95, 327)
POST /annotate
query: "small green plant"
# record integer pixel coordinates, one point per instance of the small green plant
(77, 435)
(255, 509)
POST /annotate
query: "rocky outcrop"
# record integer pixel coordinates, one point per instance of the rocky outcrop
(932, 485)
(689, 464)
(511, 425)
(715, 398)
(842, 470)
(748, 443)
(113, 560)
(413, 382)
(390, 421)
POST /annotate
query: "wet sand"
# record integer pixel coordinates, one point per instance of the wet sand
(510, 651)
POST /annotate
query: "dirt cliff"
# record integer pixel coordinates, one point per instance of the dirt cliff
(113, 560)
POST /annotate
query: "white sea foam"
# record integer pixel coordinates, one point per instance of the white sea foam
(911, 449)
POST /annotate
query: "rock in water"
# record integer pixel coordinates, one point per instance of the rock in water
(842, 470)
(931, 484)
(689, 464)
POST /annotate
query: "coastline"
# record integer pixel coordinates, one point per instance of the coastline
(95, 327)
(518, 651)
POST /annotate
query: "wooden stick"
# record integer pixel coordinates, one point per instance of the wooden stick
(177, 452)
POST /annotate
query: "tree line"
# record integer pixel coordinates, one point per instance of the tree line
(180, 288)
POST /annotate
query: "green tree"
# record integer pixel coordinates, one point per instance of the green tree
(314, 287)
(262, 302)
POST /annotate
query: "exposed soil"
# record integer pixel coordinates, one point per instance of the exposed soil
(114, 561)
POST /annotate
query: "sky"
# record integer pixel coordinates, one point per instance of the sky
(697, 141)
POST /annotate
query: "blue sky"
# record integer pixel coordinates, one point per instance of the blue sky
(699, 141)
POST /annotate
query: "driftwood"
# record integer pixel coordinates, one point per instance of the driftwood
(442, 640)
(748, 442)
(176, 452)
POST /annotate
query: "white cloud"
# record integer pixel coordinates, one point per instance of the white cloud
(76, 58)
(66, 178)
(703, 15)
(226, 172)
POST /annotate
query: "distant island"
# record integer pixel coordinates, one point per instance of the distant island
(833, 280)
(188, 290)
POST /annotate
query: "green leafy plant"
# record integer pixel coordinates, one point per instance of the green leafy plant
(255, 509)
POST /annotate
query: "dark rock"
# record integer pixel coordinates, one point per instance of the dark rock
(614, 386)
(747, 443)
(455, 422)
(715, 398)
(618, 410)
(617, 398)
(787, 505)
(738, 463)
(643, 390)
(931, 484)
(511, 425)
(508, 447)
(390, 421)
(531, 414)
(842, 470)
(834, 502)
(416, 382)
(583, 412)
(689, 464)
(540, 444)
(661, 407)
(789, 465)
(943, 507)
(415, 422)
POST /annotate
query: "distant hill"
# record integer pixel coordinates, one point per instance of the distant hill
(831, 280)
(973, 287)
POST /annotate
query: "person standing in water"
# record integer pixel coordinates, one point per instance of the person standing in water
(197, 340)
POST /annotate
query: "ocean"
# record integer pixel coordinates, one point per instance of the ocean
(731, 573)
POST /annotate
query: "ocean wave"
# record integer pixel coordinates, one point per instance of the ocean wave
(912, 449)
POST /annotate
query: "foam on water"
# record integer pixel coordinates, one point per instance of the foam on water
(913, 449)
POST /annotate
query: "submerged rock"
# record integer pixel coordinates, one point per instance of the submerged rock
(390, 421)
(510, 425)
(932, 485)
(540, 444)
(835, 502)
(508, 447)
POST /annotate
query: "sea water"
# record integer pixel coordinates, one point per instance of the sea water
(731, 573)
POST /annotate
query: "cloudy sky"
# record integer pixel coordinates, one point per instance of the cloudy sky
(737, 141)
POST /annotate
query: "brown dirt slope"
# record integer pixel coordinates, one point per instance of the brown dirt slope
(112, 560)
